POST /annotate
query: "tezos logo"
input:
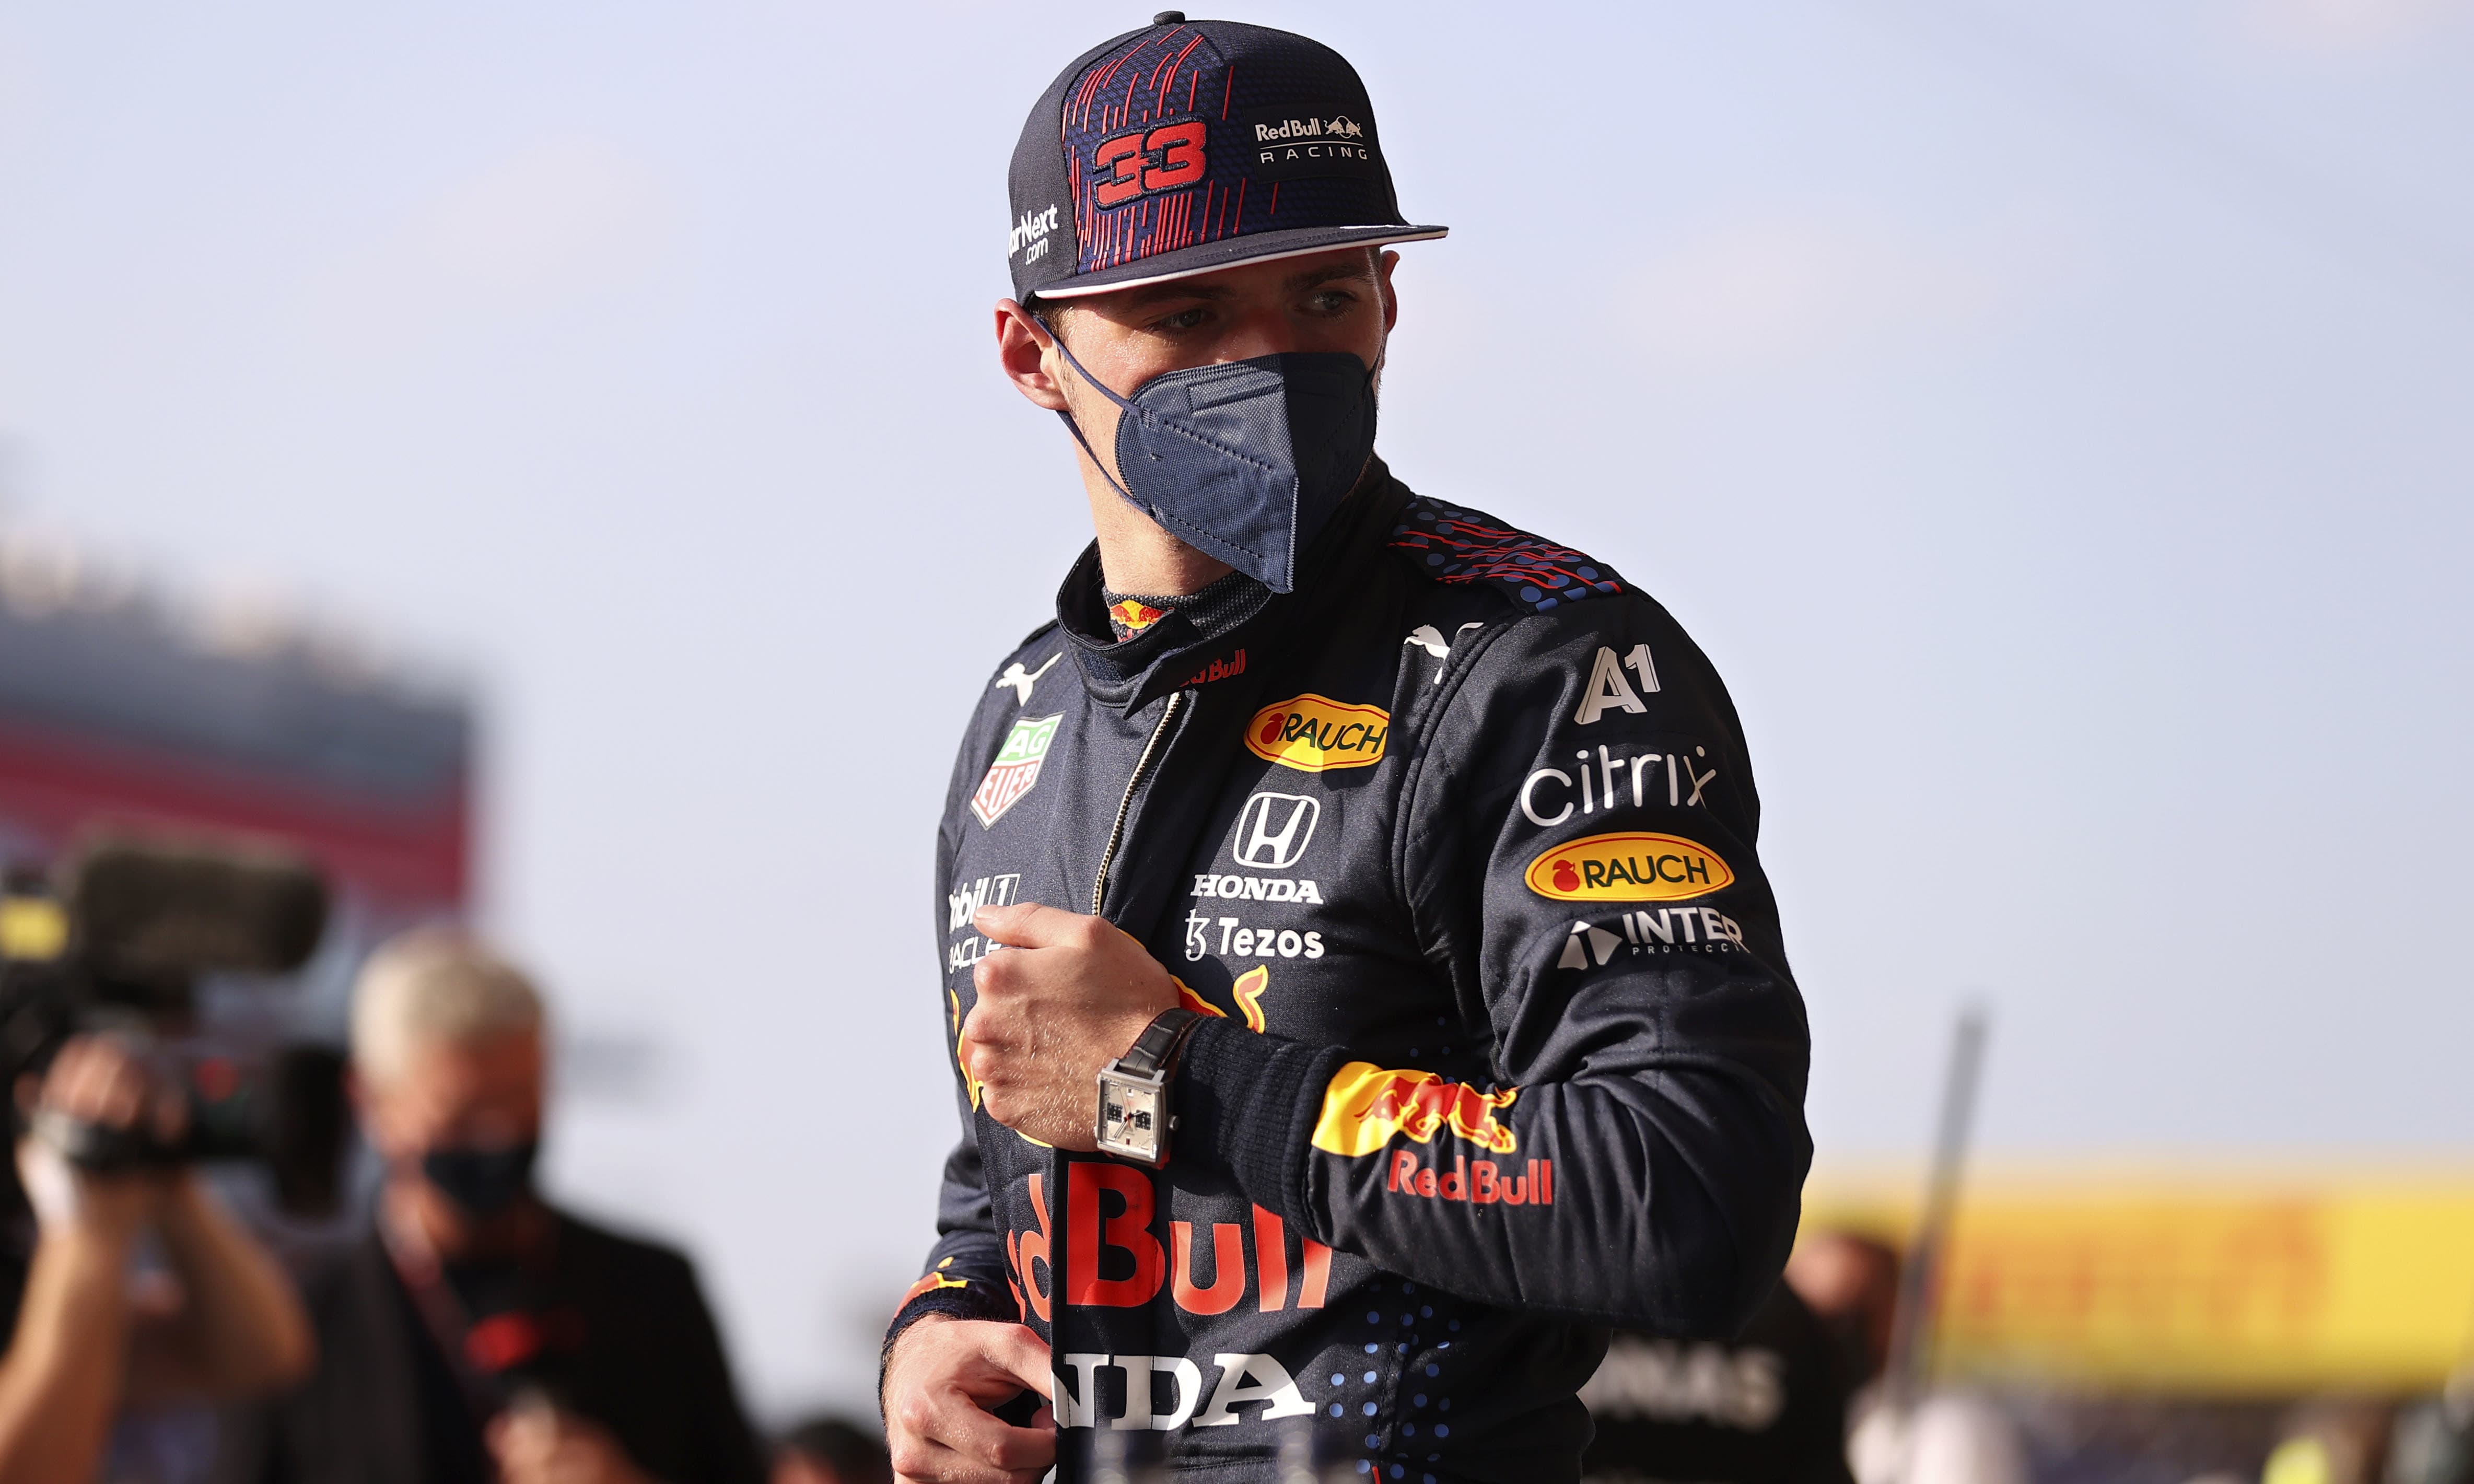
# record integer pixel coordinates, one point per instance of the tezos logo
(1273, 830)
(1629, 867)
(1032, 231)
(1315, 734)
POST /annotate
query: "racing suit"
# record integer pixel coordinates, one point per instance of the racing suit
(1454, 844)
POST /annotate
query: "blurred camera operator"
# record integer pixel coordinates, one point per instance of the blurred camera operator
(478, 1334)
(220, 1322)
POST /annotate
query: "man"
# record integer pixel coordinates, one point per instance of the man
(1377, 877)
(479, 1334)
(83, 1342)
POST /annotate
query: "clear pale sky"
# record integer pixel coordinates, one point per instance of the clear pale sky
(2057, 423)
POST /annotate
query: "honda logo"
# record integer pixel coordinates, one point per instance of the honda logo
(1273, 830)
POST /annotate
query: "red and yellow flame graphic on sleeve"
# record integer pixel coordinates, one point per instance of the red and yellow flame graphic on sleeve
(1247, 993)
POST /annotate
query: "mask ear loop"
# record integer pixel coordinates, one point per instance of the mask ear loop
(1066, 416)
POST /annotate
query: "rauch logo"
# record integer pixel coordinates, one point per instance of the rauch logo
(1315, 734)
(1630, 867)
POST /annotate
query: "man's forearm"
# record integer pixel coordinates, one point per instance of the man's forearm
(59, 1382)
(241, 1328)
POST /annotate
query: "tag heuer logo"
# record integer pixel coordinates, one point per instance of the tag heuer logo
(1016, 768)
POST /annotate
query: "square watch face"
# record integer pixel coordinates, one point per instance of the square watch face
(1128, 1115)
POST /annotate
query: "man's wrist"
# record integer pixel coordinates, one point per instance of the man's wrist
(1246, 1104)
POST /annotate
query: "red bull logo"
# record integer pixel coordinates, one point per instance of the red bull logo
(1134, 616)
(1478, 1181)
(1365, 1105)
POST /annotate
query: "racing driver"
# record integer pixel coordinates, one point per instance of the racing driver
(1360, 981)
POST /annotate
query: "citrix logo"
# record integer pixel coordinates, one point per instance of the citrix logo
(1032, 231)
(1686, 783)
(1273, 830)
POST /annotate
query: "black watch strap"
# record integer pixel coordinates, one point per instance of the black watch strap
(1156, 1050)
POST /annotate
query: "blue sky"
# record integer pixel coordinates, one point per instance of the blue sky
(2055, 422)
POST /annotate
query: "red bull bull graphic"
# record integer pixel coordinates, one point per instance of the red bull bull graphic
(1132, 616)
(1016, 768)
(1364, 1105)
(1629, 867)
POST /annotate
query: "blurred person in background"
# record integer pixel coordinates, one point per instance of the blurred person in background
(209, 1315)
(2336, 1440)
(2434, 1440)
(478, 1334)
(829, 1450)
(1767, 1407)
(1372, 883)
(1849, 1281)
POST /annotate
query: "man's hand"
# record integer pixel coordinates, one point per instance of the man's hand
(95, 1079)
(940, 1380)
(1067, 996)
(535, 1443)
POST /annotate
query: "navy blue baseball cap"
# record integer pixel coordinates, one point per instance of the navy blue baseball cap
(1190, 146)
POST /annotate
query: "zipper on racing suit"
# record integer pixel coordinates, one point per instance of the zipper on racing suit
(1124, 806)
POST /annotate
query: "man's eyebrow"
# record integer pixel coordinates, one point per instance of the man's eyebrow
(1175, 288)
(1356, 268)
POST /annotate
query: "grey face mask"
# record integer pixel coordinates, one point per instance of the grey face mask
(1244, 461)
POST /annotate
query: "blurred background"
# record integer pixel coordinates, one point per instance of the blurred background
(2053, 421)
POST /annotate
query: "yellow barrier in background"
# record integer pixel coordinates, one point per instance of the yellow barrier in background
(2222, 1284)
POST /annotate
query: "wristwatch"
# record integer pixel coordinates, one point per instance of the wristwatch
(1133, 1090)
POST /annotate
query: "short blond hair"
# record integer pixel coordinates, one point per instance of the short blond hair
(432, 985)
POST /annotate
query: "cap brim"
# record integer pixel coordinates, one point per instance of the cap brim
(1258, 247)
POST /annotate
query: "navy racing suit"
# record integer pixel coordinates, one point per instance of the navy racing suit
(1454, 845)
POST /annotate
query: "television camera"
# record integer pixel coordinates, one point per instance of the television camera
(117, 939)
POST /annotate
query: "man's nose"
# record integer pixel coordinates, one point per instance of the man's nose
(1264, 331)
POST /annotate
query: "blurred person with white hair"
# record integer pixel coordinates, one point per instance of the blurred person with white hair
(479, 1334)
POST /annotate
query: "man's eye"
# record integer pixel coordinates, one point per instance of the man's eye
(1183, 318)
(1331, 300)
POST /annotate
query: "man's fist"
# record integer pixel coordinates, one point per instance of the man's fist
(1067, 996)
(940, 1382)
(96, 1080)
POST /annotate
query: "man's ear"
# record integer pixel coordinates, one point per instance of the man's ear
(1022, 351)
(1384, 263)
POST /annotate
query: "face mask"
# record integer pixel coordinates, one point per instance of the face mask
(483, 1181)
(1243, 461)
